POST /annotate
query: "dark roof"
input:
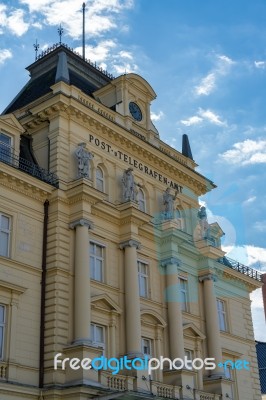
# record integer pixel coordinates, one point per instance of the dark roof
(261, 354)
(34, 89)
(83, 74)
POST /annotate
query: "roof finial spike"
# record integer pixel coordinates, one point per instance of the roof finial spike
(60, 31)
(83, 30)
(36, 48)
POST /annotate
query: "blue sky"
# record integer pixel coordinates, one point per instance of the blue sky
(206, 60)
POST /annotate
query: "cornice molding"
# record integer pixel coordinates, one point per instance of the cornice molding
(117, 132)
(24, 184)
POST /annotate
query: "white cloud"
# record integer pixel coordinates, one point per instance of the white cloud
(260, 226)
(101, 15)
(5, 54)
(260, 64)
(98, 53)
(246, 152)
(204, 115)
(126, 54)
(12, 21)
(16, 23)
(209, 83)
(125, 68)
(249, 200)
(194, 120)
(248, 255)
(157, 117)
(258, 315)
(206, 85)
(211, 117)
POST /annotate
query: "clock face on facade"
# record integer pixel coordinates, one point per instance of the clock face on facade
(135, 111)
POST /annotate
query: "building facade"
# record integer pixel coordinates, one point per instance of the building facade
(105, 251)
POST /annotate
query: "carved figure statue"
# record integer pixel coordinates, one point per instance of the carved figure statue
(169, 203)
(84, 157)
(203, 222)
(129, 191)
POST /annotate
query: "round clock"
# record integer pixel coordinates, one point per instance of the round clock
(135, 111)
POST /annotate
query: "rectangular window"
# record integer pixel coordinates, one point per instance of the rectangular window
(221, 315)
(97, 335)
(96, 261)
(4, 235)
(189, 355)
(183, 294)
(143, 279)
(146, 345)
(5, 147)
(2, 329)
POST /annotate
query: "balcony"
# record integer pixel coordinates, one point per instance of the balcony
(8, 156)
(128, 385)
(243, 269)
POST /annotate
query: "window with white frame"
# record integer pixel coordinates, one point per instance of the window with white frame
(5, 222)
(189, 355)
(99, 179)
(141, 200)
(5, 147)
(221, 314)
(96, 261)
(2, 329)
(183, 290)
(98, 335)
(143, 275)
(146, 346)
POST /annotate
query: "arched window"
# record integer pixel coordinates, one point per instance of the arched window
(141, 199)
(99, 179)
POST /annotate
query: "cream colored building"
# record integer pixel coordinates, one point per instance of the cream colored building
(98, 258)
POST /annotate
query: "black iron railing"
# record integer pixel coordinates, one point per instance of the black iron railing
(93, 64)
(8, 156)
(244, 269)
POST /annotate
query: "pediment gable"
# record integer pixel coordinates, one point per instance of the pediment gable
(105, 303)
(193, 331)
(10, 123)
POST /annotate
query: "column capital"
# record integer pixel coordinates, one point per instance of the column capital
(130, 243)
(208, 277)
(170, 261)
(81, 222)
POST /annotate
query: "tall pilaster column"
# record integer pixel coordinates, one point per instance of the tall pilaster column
(82, 292)
(132, 300)
(212, 323)
(175, 321)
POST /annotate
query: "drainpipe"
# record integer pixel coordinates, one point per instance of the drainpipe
(43, 285)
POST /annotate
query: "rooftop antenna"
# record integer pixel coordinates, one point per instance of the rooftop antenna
(36, 48)
(83, 31)
(60, 31)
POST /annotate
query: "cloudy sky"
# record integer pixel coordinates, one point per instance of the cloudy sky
(206, 60)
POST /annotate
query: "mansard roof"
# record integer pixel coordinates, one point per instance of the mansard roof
(59, 62)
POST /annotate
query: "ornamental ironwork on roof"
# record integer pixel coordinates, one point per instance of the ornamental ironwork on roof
(244, 269)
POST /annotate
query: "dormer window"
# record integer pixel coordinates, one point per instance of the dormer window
(5, 147)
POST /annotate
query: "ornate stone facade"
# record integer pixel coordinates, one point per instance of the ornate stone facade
(111, 272)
